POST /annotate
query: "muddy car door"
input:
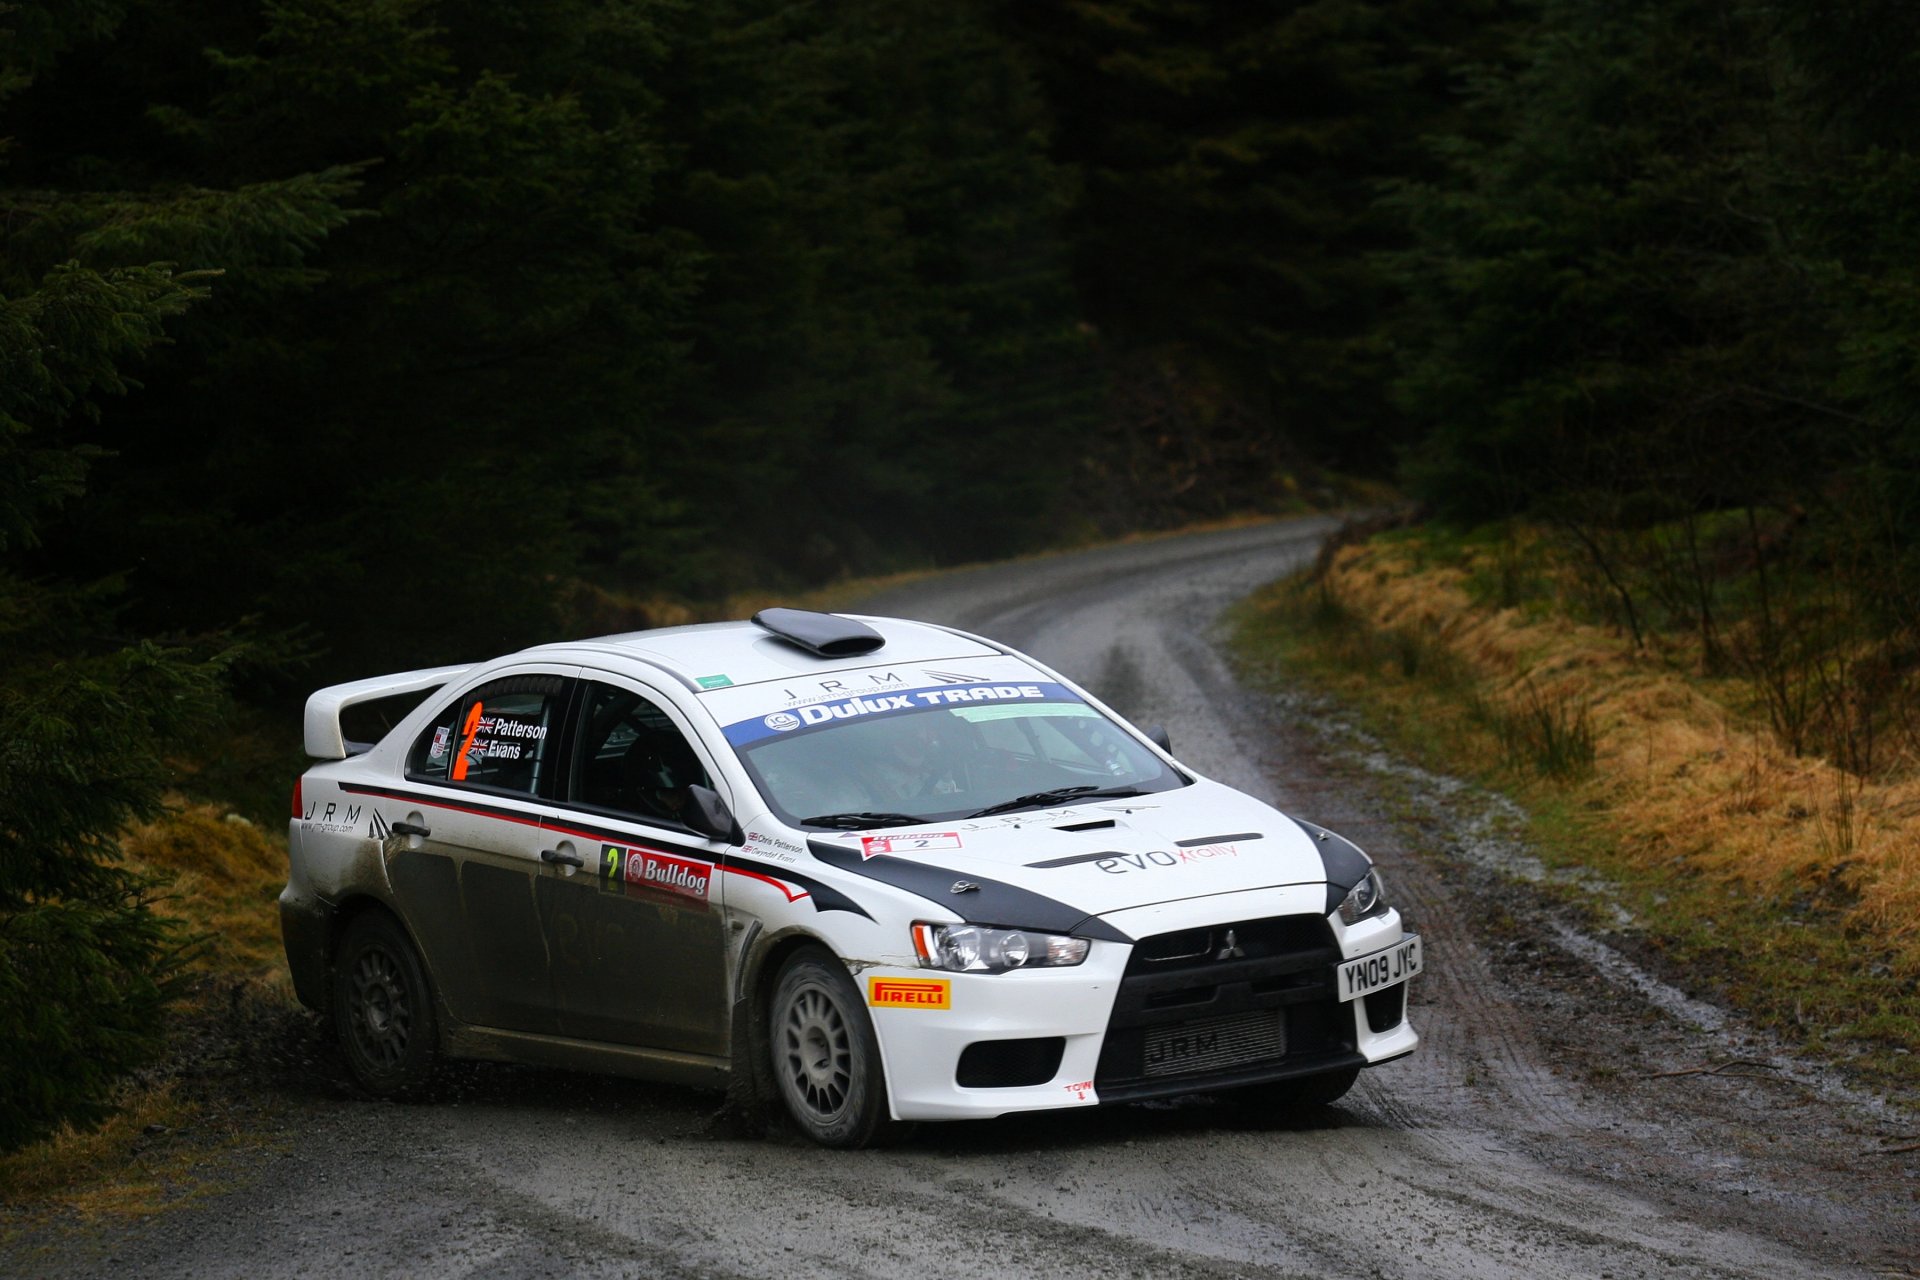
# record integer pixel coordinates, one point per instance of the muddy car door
(638, 942)
(481, 773)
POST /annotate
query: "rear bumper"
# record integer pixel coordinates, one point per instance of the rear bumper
(306, 929)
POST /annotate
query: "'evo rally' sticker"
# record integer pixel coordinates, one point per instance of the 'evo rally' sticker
(1115, 863)
(743, 733)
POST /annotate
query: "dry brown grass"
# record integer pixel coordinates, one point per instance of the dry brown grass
(163, 1147)
(1680, 774)
(71, 1163)
(225, 874)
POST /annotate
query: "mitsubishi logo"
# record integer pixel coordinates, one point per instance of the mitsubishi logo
(1232, 950)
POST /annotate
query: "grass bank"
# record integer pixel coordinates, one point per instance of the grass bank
(176, 1119)
(1772, 882)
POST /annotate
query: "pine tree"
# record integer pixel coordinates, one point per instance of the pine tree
(1610, 323)
(884, 341)
(1231, 156)
(444, 399)
(1855, 97)
(91, 287)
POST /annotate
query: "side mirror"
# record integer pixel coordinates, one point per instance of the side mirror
(708, 814)
(1157, 735)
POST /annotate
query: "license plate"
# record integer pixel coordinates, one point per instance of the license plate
(1380, 969)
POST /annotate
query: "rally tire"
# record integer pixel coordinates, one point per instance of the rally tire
(826, 1061)
(383, 1009)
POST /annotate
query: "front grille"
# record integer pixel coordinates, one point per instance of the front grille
(1212, 1043)
(1224, 1005)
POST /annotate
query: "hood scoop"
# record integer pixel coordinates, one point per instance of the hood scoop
(828, 634)
(1096, 825)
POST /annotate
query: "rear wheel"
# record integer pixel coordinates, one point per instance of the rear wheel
(825, 1057)
(383, 1008)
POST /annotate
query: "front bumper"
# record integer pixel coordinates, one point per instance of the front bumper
(1169, 1014)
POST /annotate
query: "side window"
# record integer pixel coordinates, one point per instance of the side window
(501, 735)
(632, 760)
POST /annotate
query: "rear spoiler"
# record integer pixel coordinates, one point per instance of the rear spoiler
(324, 738)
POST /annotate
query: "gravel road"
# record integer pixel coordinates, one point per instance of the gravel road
(1541, 1131)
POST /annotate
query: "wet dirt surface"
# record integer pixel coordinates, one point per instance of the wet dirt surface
(1540, 1131)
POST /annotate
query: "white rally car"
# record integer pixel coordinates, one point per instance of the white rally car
(880, 870)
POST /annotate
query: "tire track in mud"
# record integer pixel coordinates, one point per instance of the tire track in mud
(1476, 1046)
(881, 1213)
(1570, 1038)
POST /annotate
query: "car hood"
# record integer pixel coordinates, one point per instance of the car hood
(1058, 868)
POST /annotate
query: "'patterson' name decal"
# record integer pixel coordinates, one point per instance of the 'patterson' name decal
(746, 732)
(910, 993)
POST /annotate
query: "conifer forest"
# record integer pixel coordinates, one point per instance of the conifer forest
(341, 337)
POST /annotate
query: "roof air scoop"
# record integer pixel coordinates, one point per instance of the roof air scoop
(827, 634)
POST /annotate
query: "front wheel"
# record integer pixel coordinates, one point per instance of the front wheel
(825, 1057)
(383, 1008)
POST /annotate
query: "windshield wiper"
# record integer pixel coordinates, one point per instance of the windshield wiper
(1085, 791)
(860, 821)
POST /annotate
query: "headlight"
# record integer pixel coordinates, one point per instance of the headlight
(972, 948)
(1368, 898)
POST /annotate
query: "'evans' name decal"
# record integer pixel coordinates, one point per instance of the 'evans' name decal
(746, 732)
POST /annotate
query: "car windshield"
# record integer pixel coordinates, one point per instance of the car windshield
(944, 762)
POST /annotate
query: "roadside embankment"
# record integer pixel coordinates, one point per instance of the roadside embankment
(234, 1024)
(1775, 882)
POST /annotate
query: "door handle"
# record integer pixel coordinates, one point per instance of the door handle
(561, 859)
(409, 829)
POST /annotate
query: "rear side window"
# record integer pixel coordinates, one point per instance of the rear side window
(502, 736)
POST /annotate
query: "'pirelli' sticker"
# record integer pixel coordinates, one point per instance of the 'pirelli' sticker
(910, 993)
